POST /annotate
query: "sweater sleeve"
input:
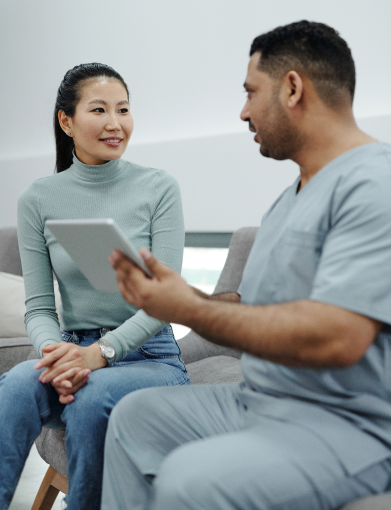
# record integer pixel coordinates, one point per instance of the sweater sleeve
(167, 235)
(41, 318)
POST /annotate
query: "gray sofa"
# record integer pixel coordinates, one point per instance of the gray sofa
(12, 350)
(207, 363)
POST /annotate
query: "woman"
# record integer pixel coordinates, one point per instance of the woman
(106, 348)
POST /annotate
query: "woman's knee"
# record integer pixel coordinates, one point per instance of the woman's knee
(22, 378)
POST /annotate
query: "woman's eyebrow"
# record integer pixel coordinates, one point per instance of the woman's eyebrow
(100, 101)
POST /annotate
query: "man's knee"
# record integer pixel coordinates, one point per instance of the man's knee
(183, 481)
(196, 476)
(133, 410)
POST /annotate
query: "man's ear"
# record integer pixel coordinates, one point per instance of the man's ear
(293, 87)
(65, 122)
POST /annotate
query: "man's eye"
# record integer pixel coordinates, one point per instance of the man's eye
(99, 110)
(123, 110)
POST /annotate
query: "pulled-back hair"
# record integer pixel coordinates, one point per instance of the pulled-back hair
(68, 95)
(314, 49)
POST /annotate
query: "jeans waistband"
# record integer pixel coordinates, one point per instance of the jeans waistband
(98, 332)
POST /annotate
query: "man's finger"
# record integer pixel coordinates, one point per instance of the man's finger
(117, 260)
(156, 267)
(126, 292)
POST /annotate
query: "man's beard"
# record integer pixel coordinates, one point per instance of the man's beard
(279, 139)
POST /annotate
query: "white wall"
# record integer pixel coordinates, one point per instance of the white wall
(225, 182)
(185, 63)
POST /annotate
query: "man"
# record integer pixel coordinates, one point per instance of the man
(310, 426)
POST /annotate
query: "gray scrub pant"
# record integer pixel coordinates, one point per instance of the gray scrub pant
(198, 447)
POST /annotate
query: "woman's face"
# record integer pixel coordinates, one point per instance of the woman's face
(102, 124)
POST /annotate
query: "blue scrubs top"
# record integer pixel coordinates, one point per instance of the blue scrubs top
(330, 242)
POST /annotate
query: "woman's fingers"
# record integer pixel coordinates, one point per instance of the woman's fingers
(56, 352)
(67, 396)
(68, 361)
(66, 399)
(50, 353)
(72, 376)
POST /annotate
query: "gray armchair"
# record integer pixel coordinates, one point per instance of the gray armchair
(207, 363)
(12, 350)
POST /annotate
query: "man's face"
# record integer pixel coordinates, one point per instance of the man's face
(266, 115)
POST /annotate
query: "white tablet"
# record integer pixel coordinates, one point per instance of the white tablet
(89, 243)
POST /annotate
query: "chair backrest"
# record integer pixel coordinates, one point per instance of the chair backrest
(193, 346)
(9, 252)
(239, 250)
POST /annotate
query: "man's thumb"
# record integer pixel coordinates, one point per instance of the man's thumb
(151, 262)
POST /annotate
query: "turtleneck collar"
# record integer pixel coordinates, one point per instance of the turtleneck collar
(96, 173)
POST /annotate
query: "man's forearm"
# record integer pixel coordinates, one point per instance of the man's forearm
(224, 296)
(302, 333)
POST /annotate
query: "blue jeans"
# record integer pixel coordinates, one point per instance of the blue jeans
(26, 405)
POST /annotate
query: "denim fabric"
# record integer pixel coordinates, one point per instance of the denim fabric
(27, 405)
(162, 348)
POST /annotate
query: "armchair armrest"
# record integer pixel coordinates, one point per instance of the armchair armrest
(13, 351)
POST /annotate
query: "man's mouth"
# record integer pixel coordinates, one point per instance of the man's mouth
(251, 127)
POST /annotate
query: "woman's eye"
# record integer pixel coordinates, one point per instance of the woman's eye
(123, 110)
(99, 110)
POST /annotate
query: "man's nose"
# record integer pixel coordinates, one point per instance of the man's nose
(244, 114)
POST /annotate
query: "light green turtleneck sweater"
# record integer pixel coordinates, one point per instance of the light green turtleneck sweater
(145, 203)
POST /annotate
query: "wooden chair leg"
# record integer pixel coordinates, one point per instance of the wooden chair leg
(51, 485)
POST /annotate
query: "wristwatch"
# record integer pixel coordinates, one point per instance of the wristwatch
(107, 351)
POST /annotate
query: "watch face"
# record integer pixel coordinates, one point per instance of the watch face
(109, 351)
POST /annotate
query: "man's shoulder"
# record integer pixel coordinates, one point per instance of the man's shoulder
(371, 160)
(370, 167)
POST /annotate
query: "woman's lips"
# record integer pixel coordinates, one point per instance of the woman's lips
(112, 142)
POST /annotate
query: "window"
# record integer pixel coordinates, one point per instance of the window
(201, 269)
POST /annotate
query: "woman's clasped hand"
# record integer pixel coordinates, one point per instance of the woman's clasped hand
(68, 367)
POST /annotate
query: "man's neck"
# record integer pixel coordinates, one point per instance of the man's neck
(326, 140)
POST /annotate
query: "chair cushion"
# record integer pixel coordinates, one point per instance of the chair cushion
(12, 305)
(51, 447)
(9, 251)
(215, 370)
(380, 502)
(13, 351)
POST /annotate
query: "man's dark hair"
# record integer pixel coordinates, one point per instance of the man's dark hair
(311, 48)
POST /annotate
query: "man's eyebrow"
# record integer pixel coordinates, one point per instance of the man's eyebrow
(100, 101)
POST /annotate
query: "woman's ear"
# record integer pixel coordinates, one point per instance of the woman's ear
(294, 88)
(65, 122)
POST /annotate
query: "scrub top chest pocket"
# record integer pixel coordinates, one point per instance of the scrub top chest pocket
(297, 255)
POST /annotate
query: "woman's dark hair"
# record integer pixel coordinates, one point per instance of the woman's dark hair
(314, 49)
(68, 95)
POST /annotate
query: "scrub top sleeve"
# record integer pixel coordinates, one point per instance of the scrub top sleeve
(354, 270)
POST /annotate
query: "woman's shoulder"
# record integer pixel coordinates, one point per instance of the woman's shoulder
(42, 185)
(157, 175)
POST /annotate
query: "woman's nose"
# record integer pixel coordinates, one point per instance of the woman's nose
(113, 124)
